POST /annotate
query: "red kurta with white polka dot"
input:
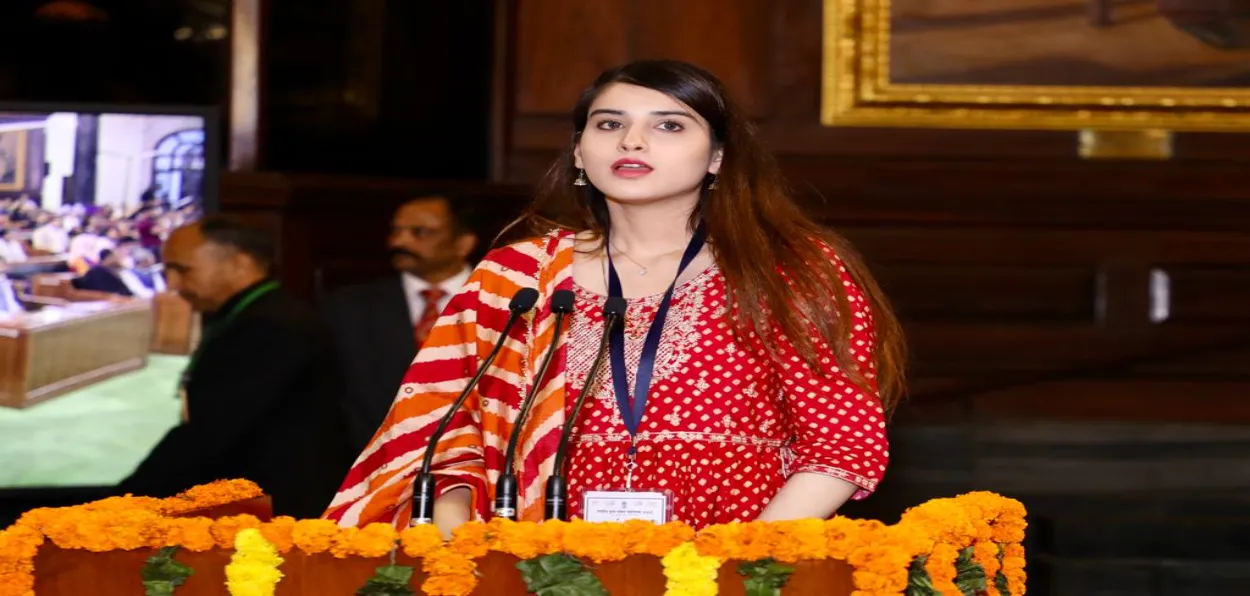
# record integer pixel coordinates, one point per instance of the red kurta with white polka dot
(725, 425)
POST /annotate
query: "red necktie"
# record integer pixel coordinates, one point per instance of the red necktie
(421, 331)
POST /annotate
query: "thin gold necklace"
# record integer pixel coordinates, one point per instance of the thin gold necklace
(642, 269)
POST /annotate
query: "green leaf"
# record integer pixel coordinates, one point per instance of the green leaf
(559, 575)
(1000, 578)
(918, 581)
(388, 580)
(969, 576)
(162, 574)
(765, 577)
(158, 588)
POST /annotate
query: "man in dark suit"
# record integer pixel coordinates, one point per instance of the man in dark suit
(378, 326)
(261, 392)
(105, 277)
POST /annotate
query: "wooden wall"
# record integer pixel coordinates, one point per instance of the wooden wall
(1024, 274)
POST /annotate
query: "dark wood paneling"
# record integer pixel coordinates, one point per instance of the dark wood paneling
(745, 66)
(1206, 293)
(769, 54)
(547, 82)
(992, 293)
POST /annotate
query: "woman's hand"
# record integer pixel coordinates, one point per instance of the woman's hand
(452, 510)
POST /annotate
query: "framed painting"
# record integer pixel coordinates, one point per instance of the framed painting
(1040, 64)
(13, 160)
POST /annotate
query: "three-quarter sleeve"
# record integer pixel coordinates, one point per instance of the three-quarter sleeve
(837, 427)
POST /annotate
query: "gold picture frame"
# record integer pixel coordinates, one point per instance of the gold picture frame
(857, 90)
(13, 160)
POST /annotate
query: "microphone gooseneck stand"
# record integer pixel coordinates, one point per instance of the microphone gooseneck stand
(556, 504)
(423, 486)
(506, 491)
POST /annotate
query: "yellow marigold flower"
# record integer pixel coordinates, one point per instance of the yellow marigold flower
(253, 569)
(687, 573)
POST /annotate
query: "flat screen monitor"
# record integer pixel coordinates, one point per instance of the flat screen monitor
(85, 187)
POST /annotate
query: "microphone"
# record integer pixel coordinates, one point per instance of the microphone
(556, 504)
(506, 490)
(423, 488)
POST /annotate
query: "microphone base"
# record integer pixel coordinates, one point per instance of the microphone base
(506, 497)
(423, 499)
(556, 505)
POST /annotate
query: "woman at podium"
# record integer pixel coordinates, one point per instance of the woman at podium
(755, 362)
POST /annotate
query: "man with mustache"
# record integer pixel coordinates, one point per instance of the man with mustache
(380, 325)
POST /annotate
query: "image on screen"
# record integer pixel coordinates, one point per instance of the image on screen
(91, 341)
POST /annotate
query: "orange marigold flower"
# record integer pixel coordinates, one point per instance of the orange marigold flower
(449, 585)
(445, 562)
(665, 538)
(193, 533)
(940, 566)
(515, 538)
(314, 536)
(420, 541)
(209, 495)
(548, 537)
(374, 540)
(719, 541)
(279, 532)
(598, 542)
(18, 546)
(799, 539)
(471, 540)
(225, 529)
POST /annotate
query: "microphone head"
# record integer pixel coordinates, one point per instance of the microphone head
(562, 301)
(523, 300)
(614, 307)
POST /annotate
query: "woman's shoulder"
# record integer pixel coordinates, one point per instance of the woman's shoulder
(528, 256)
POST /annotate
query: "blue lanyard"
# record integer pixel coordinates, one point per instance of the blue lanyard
(632, 409)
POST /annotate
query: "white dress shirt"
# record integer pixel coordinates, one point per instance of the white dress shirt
(413, 286)
(12, 251)
(51, 238)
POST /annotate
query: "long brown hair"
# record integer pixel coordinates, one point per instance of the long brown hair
(754, 225)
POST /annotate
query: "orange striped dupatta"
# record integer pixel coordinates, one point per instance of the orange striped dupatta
(379, 486)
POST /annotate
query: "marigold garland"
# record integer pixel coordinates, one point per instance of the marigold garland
(879, 554)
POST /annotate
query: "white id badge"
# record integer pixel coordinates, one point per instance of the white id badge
(624, 505)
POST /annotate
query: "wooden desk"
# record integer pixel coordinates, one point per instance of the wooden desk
(176, 328)
(55, 350)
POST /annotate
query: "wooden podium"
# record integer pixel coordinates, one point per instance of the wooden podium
(104, 548)
(76, 572)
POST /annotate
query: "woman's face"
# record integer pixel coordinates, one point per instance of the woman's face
(641, 145)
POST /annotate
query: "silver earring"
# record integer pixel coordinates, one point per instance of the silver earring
(581, 178)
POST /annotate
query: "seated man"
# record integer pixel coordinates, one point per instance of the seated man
(105, 277)
(10, 304)
(141, 274)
